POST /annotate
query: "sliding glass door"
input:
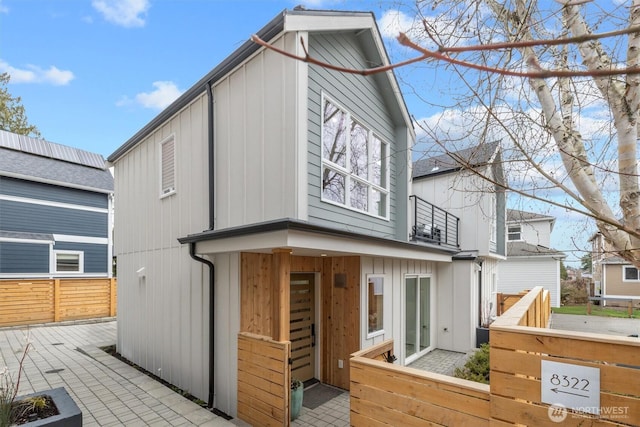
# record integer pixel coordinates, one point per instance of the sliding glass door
(417, 316)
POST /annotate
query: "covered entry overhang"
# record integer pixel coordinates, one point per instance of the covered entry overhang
(269, 253)
(305, 239)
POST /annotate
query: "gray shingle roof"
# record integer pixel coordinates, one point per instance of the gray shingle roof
(27, 157)
(527, 249)
(476, 156)
(514, 215)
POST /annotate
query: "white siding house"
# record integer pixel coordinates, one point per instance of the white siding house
(271, 170)
(530, 261)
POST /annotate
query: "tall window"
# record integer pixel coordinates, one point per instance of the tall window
(354, 163)
(515, 232)
(69, 261)
(375, 303)
(167, 167)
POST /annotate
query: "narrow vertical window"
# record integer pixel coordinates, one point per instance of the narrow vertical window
(375, 303)
(167, 167)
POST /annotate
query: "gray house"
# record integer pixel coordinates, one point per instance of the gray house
(269, 205)
(55, 210)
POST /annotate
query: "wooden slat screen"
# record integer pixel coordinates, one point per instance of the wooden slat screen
(387, 394)
(263, 380)
(28, 302)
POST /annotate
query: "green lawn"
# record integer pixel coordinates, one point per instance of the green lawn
(596, 311)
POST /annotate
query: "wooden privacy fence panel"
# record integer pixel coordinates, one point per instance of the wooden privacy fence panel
(387, 394)
(516, 359)
(263, 380)
(26, 302)
(506, 301)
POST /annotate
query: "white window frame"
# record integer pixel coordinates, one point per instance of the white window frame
(54, 261)
(169, 190)
(519, 233)
(372, 334)
(624, 274)
(349, 176)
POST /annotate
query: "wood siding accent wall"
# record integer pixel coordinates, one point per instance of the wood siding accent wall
(263, 380)
(340, 318)
(27, 302)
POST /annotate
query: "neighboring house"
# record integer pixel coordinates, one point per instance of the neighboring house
(530, 260)
(55, 210)
(448, 181)
(272, 198)
(613, 276)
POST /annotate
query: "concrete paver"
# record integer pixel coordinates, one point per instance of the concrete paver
(108, 391)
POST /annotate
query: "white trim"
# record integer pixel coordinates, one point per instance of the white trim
(302, 129)
(53, 262)
(624, 279)
(345, 170)
(31, 241)
(370, 335)
(110, 227)
(28, 276)
(54, 182)
(53, 204)
(81, 239)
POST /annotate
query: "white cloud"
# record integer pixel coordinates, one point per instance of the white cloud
(126, 13)
(34, 74)
(393, 22)
(3, 8)
(164, 94)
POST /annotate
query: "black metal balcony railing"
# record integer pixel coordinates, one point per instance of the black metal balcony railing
(431, 224)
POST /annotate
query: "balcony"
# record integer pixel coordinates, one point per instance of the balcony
(431, 224)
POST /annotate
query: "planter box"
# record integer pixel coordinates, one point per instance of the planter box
(69, 413)
(482, 336)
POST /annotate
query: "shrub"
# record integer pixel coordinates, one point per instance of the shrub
(477, 366)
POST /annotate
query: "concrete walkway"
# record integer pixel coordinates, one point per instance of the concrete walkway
(108, 391)
(596, 324)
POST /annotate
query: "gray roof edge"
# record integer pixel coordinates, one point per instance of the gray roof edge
(274, 27)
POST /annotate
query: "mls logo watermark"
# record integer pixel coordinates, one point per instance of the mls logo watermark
(557, 413)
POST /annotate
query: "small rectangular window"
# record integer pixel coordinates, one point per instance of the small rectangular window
(69, 262)
(375, 303)
(630, 273)
(167, 167)
(515, 232)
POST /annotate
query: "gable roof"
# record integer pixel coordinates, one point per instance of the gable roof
(299, 19)
(478, 155)
(35, 159)
(524, 249)
(514, 215)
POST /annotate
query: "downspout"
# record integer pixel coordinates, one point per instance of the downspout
(192, 246)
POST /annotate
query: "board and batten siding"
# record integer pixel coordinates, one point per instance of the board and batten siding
(362, 97)
(163, 303)
(518, 274)
(257, 120)
(461, 194)
(394, 272)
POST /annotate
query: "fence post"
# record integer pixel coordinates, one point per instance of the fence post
(630, 308)
(112, 298)
(56, 300)
(500, 303)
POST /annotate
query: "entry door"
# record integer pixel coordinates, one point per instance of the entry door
(418, 316)
(302, 328)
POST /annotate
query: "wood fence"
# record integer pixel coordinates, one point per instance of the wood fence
(264, 381)
(26, 302)
(386, 394)
(506, 301)
(528, 362)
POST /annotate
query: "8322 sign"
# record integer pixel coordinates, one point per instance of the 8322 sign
(574, 386)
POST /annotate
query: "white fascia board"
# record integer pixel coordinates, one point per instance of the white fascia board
(325, 23)
(308, 244)
(52, 203)
(32, 241)
(81, 239)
